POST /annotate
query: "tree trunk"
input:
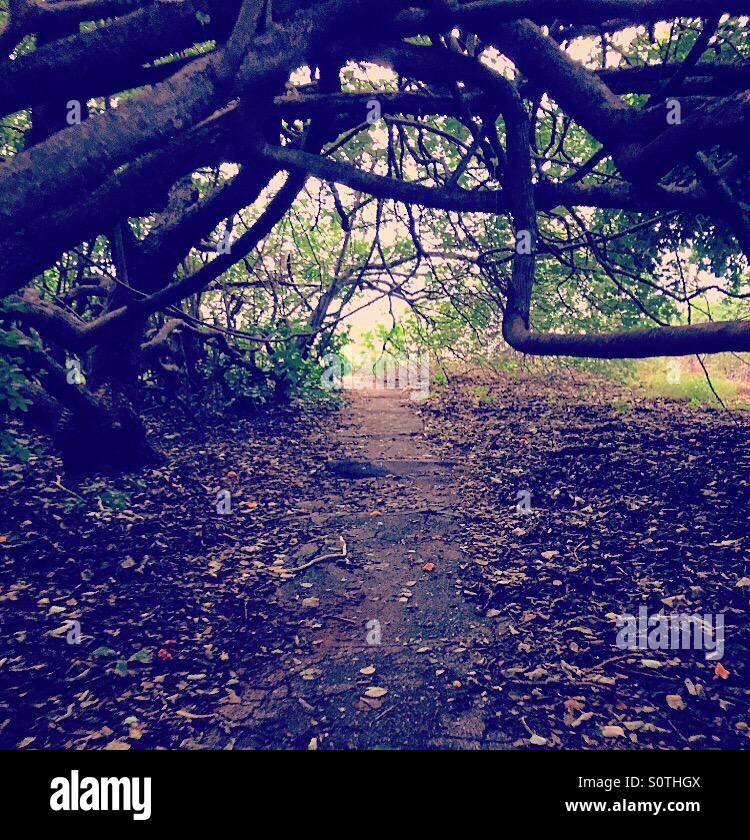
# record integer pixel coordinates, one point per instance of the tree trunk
(94, 433)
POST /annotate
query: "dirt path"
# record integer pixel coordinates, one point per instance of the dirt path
(384, 653)
(454, 620)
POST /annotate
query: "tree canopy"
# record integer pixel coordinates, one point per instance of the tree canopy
(236, 174)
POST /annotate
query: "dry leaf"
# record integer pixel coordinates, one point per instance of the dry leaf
(117, 745)
(694, 689)
(375, 691)
(136, 730)
(721, 671)
(612, 731)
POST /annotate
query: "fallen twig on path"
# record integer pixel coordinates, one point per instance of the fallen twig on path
(322, 557)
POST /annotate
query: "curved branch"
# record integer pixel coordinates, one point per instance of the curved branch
(682, 340)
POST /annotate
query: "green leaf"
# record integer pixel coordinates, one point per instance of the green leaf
(142, 655)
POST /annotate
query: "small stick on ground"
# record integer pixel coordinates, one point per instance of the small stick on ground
(322, 557)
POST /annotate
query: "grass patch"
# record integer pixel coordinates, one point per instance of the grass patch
(482, 393)
(674, 380)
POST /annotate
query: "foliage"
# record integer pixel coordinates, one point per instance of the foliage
(12, 378)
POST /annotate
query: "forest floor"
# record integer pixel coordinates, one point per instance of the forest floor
(382, 581)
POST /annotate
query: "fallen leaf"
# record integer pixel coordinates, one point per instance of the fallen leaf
(136, 731)
(693, 689)
(375, 691)
(141, 655)
(721, 671)
(117, 745)
(613, 731)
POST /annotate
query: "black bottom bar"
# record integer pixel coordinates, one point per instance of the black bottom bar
(321, 788)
